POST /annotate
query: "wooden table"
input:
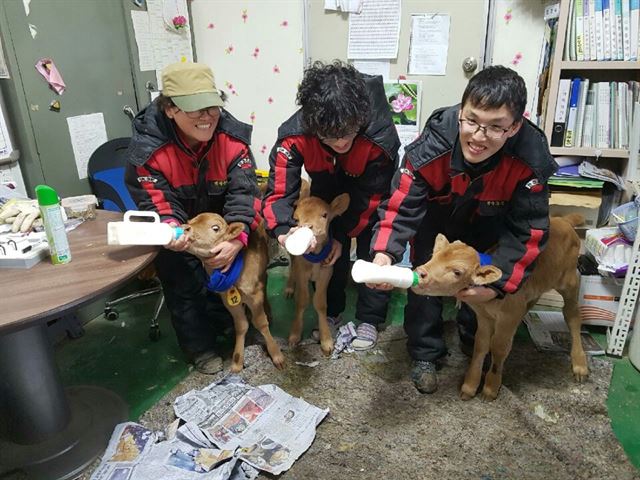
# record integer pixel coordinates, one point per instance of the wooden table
(51, 432)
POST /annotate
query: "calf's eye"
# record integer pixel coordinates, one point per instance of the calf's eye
(215, 228)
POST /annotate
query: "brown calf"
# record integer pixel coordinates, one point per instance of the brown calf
(316, 214)
(455, 266)
(207, 230)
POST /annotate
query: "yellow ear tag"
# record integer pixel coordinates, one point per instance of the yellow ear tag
(233, 297)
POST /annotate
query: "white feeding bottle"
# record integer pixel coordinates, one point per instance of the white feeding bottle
(141, 233)
(367, 272)
(298, 242)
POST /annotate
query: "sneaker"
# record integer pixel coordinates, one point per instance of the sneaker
(334, 324)
(208, 362)
(424, 376)
(366, 337)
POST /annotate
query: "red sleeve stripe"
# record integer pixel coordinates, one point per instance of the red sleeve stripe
(374, 201)
(532, 252)
(386, 223)
(256, 216)
(156, 195)
(279, 189)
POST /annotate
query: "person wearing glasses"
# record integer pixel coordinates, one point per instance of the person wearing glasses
(188, 155)
(344, 137)
(477, 173)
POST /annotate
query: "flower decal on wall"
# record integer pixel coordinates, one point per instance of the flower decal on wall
(284, 23)
(508, 16)
(179, 22)
(211, 26)
(231, 88)
(270, 100)
(276, 69)
(263, 149)
(244, 16)
(516, 59)
(402, 103)
(252, 117)
(256, 52)
(229, 49)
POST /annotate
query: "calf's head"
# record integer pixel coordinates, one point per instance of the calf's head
(206, 230)
(317, 214)
(453, 267)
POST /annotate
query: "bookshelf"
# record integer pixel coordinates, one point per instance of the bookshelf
(596, 71)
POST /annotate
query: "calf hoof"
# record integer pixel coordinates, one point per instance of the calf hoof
(467, 393)
(580, 373)
(278, 360)
(288, 292)
(326, 346)
(488, 395)
(294, 340)
(236, 367)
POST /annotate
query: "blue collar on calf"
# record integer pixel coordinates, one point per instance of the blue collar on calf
(318, 257)
(485, 259)
(221, 282)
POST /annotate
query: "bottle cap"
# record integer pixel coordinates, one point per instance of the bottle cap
(46, 195)
(416, 279)
(178, 231)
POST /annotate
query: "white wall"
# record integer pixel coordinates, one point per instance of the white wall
(261, 85)
(518, 30)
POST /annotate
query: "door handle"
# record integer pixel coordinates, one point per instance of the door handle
(129, 112)
(469, 64)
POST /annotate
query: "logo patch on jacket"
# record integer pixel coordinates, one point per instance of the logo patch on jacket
(245, 163)
(284, 152)
(406, 171)
(534, 185)
(147, 179)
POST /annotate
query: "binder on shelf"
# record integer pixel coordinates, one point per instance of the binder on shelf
(578, 12)
(634, 19)
(592, 29)
(582, 103)
(626, 31)
(606, 25)
(572, 116)
(603, 119)
(586, 30)
(616, 29)
(560, 117)
(599, 30)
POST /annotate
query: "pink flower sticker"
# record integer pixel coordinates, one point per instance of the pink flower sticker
(179, 22)
(229, 49)
(508, 16)
(270, 100)
(231, 88)
(256, 52)
(252, 117)
(284, 23)
(276, 69)
(211, 26)
(244, 16)
(402, 103)
(263, 149)
(516, 59)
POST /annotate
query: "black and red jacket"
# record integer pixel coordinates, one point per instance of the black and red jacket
(364, 172)
(502, 202)
(165, 176)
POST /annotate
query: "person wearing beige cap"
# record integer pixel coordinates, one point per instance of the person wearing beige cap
(188, 155)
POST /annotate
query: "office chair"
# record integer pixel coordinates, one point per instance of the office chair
(106, 175)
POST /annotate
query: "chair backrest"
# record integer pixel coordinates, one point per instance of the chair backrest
(106, 175)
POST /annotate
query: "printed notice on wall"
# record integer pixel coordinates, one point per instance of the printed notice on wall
(429, 44)
(373, 67)
(4, 70)
(142, 29)
(87, 133)
(374, 33)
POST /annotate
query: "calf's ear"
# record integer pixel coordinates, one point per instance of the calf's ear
(340, 204)
(441, 242)
(486, 274)
(233, 230)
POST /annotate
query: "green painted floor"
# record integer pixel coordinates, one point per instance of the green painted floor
(119, 356)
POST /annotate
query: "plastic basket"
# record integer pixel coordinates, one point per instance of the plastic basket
(626, 217)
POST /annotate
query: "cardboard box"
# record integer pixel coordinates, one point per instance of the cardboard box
(598, 299)
(586, 204)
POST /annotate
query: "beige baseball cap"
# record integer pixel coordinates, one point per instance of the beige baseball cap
(191, 86)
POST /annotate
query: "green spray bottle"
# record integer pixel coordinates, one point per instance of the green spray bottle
(53, 224)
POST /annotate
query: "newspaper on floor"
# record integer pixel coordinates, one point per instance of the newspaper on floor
(265, 426)
(135, 453)
(550, 333)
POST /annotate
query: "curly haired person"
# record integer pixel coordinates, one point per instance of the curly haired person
(344, 137)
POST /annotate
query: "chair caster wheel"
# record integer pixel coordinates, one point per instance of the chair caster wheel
(111, 314)
(154, 334)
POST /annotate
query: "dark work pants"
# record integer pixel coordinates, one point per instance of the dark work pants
(197, 315)
(371, 306)
(423, 321)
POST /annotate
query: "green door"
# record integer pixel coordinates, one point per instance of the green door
(88, 43)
